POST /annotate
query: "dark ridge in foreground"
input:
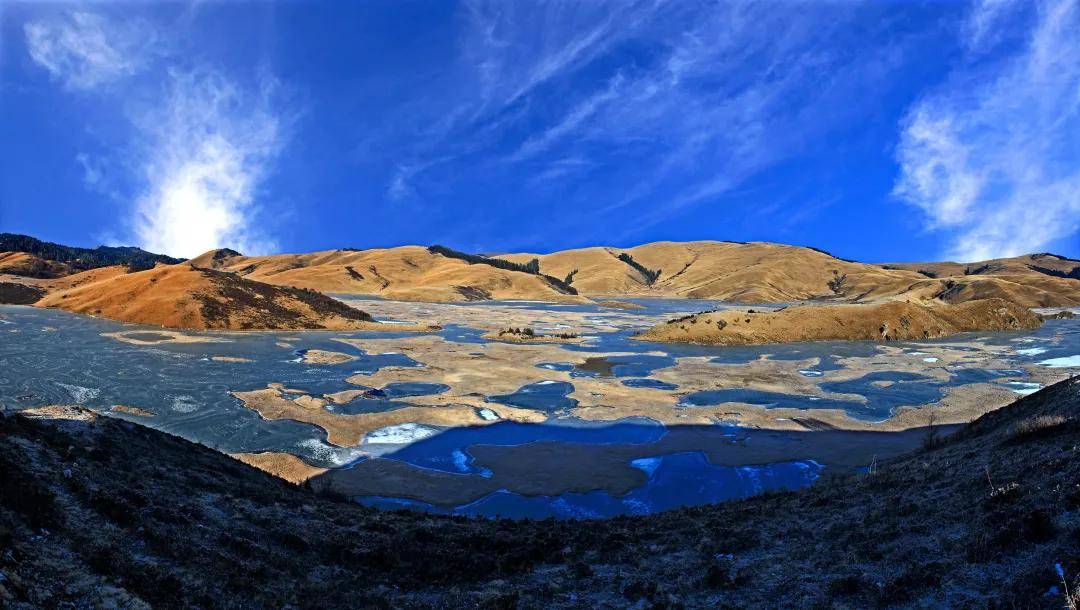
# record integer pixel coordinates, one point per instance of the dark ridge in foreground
(98, 511)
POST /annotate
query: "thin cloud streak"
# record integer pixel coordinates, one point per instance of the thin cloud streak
(84, 50)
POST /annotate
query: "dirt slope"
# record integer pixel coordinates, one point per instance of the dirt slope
(889, 321)
(409, 273)
(98, 512)
(182, 296)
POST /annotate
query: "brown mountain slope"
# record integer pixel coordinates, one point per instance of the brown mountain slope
(893, 320)
(106, 513)
(755, 272)
(760, 272)
(182, 296)
(1036, 280)
(27, 265)
(410, 273)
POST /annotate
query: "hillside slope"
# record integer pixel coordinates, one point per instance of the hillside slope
(888, 321)
(23, 264)
(410, 273)
(760, 272)
(1036, 280)
(182, 296)
(98, 511)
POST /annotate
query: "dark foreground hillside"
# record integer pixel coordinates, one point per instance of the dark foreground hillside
(97, 512)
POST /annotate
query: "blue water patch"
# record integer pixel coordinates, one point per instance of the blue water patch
(976, 375)
(655, 384)
(405, 389)
(770, 400)
(548, 396)
(677, 480)
(630, 365)
(442, 451)
(900, 389)
(462, 334)
(366, 405)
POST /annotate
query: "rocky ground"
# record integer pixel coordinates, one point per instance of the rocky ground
(98, 512)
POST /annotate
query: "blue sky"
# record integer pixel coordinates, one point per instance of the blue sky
(875, 130)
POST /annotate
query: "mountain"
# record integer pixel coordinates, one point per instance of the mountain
(101, 512)
(411, 273)
(1042, 280)
(755, 272)
(183, 296)
(886, 321)
(760, 272)
(752, 272)
(79, 259)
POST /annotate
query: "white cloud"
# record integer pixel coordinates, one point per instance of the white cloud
(200, 141)
(208, 150)
(994, 154)
(84, 50)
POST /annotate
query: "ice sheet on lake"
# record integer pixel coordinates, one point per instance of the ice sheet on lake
(399, 434)
(1023, 388)
(649, 464)
(1062, 363)
(80, 394)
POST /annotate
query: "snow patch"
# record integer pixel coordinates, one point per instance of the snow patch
(930, 359)
(488, 415)
(1031, 351)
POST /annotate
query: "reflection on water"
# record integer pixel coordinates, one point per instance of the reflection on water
(443, 451)
(681, 479)
(547, 396)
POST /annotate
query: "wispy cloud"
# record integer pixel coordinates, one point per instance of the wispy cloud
(84, 50)
(208, 149)
(200, 147)
(992, 154)
(702, 95)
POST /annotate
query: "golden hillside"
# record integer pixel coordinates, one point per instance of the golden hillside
(755, 272)
(182, 296)
(27, 265)
(409, 273)
(1035, 280)
(760, 272)
(888, 321)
